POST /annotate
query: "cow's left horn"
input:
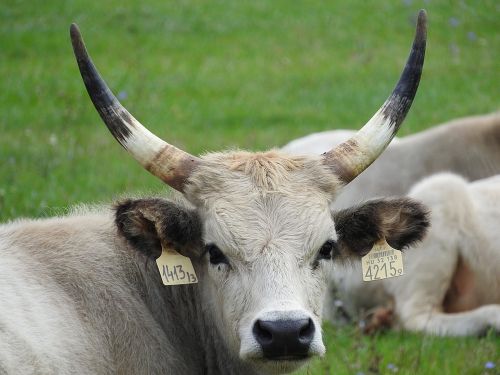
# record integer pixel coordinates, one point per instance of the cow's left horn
(163, 160)
(352, 157)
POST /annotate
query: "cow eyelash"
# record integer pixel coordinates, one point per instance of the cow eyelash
(215, 255)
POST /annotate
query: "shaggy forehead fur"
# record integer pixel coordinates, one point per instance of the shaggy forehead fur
(262, 173)
(252, 202)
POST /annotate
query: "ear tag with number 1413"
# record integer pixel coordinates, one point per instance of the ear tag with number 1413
(382, 262)
(175, 269)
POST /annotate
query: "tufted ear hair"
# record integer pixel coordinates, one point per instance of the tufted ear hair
(148, 223)
(401, 221)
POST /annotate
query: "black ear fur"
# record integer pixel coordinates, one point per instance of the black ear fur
(148, 223)
(401, 221)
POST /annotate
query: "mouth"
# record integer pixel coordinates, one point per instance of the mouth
(288, 358)
(282, 358)
(280, 365)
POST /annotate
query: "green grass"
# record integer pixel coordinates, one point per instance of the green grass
(209, 75)
(349, 352)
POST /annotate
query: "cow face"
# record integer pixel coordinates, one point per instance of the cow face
(264, 241)
(268, 245)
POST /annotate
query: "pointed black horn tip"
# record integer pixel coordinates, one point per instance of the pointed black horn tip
(76, 38)
(74, 32)
(422, 15)
(422, 24)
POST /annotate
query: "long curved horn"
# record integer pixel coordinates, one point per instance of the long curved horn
(170, 164)
(352, 157)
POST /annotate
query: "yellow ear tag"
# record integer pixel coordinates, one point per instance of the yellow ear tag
(382, 262)
(175, 269)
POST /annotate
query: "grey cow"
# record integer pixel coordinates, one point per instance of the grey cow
(82, 293)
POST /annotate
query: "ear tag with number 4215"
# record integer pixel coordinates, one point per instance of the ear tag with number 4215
(175, 269)
(382, 262)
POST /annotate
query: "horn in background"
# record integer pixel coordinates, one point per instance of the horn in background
(167, 162)
(352, 157)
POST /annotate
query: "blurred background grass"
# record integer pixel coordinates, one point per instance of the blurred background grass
(209, 75)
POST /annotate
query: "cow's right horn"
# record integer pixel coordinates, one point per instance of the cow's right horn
(170, 164)
(352, 157)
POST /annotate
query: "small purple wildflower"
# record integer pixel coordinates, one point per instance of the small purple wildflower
(392, 367)
(489, 365)
(454, 22)
(472, 35)
(122, 95)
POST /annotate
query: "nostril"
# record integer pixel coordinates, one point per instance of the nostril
(262, 333)
(306, 333)
(284, 338)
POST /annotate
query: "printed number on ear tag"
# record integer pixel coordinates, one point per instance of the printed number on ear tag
(175, 269)
(382, 262)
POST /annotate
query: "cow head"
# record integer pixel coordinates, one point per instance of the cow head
(258, 226)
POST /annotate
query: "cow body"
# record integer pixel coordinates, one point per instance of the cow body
(76, 298)
(453, 283)
(468, 146)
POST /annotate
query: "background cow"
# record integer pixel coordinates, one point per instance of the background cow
(80, 292)
(452, 285)
(468, 146)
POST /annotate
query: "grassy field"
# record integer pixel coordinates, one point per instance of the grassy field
(349, 352)
(224, 74)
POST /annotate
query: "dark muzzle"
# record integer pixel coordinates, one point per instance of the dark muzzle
(284, 339)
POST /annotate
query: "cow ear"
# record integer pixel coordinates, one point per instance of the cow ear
(401, 221)
(147, 224)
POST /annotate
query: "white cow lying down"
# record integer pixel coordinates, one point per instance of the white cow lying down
(451, 284)
(406, 161)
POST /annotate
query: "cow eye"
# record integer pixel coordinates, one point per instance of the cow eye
(326, 250)
(216, 256)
